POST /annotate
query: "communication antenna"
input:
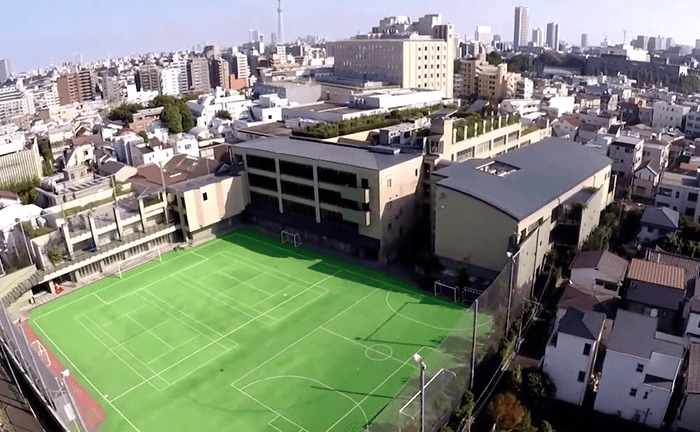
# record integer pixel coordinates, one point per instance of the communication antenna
(624, 37)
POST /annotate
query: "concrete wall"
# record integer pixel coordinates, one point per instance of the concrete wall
(23, 165)
(225, 199)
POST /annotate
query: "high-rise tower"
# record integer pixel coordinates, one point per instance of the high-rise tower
(521, 27)
(280, 32)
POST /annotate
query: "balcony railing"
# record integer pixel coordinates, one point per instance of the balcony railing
(355, 194)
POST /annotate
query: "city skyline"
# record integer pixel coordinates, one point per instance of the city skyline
(48, 39)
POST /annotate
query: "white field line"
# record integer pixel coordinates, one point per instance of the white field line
(357, 343)
(149, 331)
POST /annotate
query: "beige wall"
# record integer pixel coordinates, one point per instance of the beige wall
(225, 199)
(19, 166)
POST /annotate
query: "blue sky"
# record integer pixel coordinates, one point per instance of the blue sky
(34, 31)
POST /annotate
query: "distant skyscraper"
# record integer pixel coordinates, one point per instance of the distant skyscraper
(483, 35)
(5, 70)
(538, 37)
(280, 24)
(273, 38)
(584, 40)
(670, 43)
(642, 42)
(521, 27)
(253, 36)
(697, 44)
(553, 36)
(78, 60)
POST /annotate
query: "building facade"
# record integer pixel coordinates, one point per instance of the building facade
(553, 36)
(198, 75)
(521, 26)
(668, 115)
(149, 76)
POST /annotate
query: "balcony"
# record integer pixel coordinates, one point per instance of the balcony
(355, 194)
(359, 217)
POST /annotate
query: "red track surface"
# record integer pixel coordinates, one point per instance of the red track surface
(90, 410)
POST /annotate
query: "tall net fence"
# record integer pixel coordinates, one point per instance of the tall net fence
(467, 358)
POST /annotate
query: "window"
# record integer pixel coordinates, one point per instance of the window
(204, 196)
(678, 194)
(646, 395)
(416, 172)
(693, 197)
(633, 392)
(365, 183)
(690, 212)
(587, 349)
(555, 337)
(665, 192)
(581, 376)
(640, 367)
(627, 150)
(388, 182)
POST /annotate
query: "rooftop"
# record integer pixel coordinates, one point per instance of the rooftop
(328, 107)
(276, 129)
(690, 265)
(584, 324)
(325, 152)
(673, 179)
(603, 261)
(655, 295)
(663, 217)
(544, 171)
(627, 141)
(635, 334)
(657, 273)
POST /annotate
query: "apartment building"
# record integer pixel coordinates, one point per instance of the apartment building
(571, 352)
(477, 77)
(220, 74)
(198, 75)
(357, 200)
(522, 202)
(19, 158)
(239, 66)
(174, 79)
(418, 55)
(149, 76)
(639, 371)
(14, 102)
(76, 87)
(454, 140)
(679, 192)
(668, 115)
(626, 153)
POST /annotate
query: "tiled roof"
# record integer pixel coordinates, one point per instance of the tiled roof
(605, 262)
(657, 273)
(693, 385)
(660, 217)
(691, 265)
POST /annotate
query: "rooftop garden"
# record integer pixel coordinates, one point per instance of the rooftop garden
(470, 125)
(366, 123)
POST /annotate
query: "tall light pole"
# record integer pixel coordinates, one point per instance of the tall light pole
(81, 426)
(418, 359)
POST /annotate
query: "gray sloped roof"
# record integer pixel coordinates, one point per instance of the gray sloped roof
(660, 217)
(545, 170)
(635, 334)
(655, 295)
(583, 324)
(328, 152)
(605, 262)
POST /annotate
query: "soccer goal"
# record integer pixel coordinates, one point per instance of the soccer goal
(41, 352)
(138, 259)
(291, 237)
(450, 291)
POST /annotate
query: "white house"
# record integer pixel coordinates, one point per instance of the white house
(645, 180)
(571, 352)
(689, 411)
(154, 151)
(598, 272)
(639, 370)
(520, 106)
(668, 115)
(204, 108)
(626, 153)
(184, 144)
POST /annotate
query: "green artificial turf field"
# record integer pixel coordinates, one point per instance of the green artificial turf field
(245, 333)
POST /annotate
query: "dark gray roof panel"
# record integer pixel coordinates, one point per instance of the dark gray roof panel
(351, 156)
(605, 262)
(660, 217)
(635, 334)
(546, 170)
(586, 325)
(655, 295)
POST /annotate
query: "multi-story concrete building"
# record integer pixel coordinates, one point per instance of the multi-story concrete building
(76, 87)
(174, 78)
(639, 371)
(15, 101)
(5, 70)
(679, 192)
(477, 77)
(521, 202)
(198, 74)
(521, 27)
(19, 158)
(553, 36)
(692, 124)
(669, 115)
(149, 77)
(537, 37)
(584, 41)
(358, 200)
(626, 153)
(205, 107)
(420, 56)
(571, 352)
(483, 34)
(220, 74)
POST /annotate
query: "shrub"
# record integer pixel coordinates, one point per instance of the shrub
(55, 255)
(508, 414)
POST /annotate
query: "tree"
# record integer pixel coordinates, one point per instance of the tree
(598, 239)
(493, 58)
(124, 112)
(25, 189)
(143, 135)
(507, 413)
(46, 168)
(537, 388)
(187, 119)
(520, 63)
(55, 255)
(223, 114)
(172, 119)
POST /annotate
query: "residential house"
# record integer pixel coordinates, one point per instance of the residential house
(121, 172)
(680, 193)
(155, 151)
(144, 118)
(626, 153)
(657, 222)
(357, 200)
(521, 202)
(588, 132)
(204, 108)
(639, 371)
(645, 180)
(571, 352)
(669, 115)
(656, 290)
(598, 272)
(658, 152)
(688, 419)
(566, 127)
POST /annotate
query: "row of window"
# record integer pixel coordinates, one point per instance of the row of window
(326, 175)
(692, 196)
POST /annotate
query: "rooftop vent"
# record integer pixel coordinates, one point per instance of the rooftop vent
(498, 169)
(385, 150)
